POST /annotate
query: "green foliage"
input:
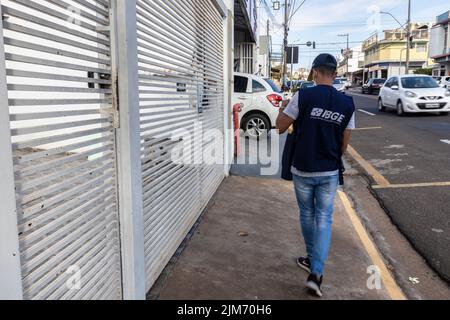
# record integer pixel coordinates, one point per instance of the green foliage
(427, 71)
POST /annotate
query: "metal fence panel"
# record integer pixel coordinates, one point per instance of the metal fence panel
(58, 66)
(76, 165)
(180, 51)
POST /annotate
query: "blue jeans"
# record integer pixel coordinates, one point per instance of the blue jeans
(315, 197)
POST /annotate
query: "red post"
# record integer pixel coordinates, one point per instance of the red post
(236, 109)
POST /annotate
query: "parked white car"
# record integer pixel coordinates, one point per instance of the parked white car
(445, 82)
(261, 100)
(414, 93)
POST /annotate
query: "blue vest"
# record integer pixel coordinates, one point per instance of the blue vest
(324, 115)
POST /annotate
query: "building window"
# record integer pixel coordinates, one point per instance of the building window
(421, 47)
(446, 44)
(244, 55)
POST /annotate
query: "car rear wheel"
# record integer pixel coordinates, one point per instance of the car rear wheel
(400, 110)
(256, 126)
(381, 106)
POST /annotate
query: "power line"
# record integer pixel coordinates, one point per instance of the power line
(295, 11)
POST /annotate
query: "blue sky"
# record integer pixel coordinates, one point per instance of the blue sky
(323, 20)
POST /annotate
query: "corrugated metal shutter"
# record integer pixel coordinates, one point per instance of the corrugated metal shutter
(63, 140)
(180, 46)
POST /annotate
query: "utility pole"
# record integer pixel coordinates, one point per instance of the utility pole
(364, 68)
(269, 64)
(292, 66)
(347, 52)
(408, 37)
(285, 42)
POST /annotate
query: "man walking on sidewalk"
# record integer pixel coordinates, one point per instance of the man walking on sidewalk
(323, 119)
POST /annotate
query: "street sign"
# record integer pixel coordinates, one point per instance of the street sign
(292, 54)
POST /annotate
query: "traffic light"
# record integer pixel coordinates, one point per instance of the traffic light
(314, 45)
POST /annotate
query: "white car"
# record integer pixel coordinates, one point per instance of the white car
(445, 82)
(261, 100)
(347, 83)
(414, 94)
(339, 85)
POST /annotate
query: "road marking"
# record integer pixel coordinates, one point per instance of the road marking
(366, 112)
(413, 185)
(376, 176)
(363, 95)
(368, 128)
(445, 141)
(392, 287)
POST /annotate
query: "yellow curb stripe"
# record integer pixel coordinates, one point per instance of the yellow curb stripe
(391, 286)
(413, 185)
(368, 128)
(377, 177)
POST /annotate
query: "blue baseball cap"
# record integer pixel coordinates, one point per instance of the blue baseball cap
(323, 60)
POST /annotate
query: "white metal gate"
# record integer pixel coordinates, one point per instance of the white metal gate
(95, 92)
(244, 55)
(63, 143)
(180, 46)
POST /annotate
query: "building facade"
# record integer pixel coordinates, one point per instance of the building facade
(387, 57)
(440, 45)
(354, 70)
(245, 36)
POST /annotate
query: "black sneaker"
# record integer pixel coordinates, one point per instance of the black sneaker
(304, 263)
(314, 283)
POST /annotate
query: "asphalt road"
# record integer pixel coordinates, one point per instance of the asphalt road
(409, 150)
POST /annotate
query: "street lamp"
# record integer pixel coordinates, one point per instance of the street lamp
(390, 14)
(408, 33)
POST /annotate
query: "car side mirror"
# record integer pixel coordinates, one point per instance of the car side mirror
(394, 87)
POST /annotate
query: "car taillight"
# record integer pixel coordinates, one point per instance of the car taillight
(275, 99)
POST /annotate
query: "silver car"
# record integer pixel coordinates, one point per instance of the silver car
(339, 85)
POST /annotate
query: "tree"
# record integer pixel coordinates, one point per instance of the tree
(427, 71)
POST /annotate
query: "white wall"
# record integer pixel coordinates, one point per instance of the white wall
(436, 41)
(228, 66)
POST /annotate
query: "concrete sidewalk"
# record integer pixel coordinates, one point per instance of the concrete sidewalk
(245, 248)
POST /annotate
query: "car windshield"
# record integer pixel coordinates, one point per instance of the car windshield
(273, 85)
(307, 84)
(379, 81)
(337, 81)
(419, 82)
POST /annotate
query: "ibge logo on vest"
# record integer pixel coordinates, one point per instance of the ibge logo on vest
(327, 115)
